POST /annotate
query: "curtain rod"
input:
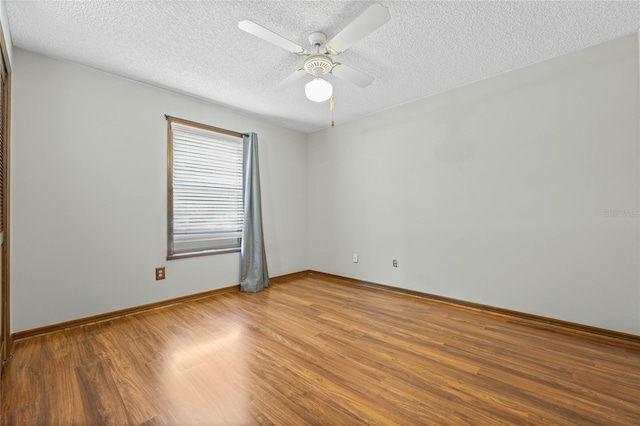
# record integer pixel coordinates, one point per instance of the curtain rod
(205, 126)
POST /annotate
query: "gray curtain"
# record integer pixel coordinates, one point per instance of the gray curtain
(253, 260)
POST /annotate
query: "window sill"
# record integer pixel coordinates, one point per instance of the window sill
(202, 253)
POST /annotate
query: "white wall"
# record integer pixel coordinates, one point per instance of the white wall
(89, 189)
(495, 192)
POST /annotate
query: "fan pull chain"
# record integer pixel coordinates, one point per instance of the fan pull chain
(332, 107)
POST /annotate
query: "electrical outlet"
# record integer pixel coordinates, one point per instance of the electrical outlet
(355, 257)
(395, 263)
(160, 274)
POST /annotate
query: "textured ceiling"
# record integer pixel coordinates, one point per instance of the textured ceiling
(196, 48)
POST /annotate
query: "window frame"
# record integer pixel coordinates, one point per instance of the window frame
(171, 255)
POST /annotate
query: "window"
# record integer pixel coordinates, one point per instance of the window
(205, 212)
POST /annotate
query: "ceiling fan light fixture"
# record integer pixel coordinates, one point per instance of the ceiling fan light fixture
(318, 90)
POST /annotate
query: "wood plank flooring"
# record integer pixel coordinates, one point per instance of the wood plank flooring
(315, 350)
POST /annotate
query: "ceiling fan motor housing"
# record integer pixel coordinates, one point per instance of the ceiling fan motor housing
(318, 65)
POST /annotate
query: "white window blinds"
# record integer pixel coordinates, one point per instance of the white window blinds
(206, 191)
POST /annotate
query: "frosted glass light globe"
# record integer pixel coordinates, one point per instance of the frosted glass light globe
(318, 90)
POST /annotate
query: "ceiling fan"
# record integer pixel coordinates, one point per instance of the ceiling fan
(320, 62)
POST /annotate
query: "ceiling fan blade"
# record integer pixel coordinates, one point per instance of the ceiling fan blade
(295, 76)
(352, 76)
(370, 20)
(268, 35)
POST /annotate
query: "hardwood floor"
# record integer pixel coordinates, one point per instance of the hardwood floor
(315, 350)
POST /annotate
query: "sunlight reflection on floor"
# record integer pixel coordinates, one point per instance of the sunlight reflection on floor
(193, 367)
